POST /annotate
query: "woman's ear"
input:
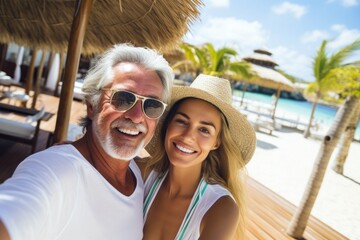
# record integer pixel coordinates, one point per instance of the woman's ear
(217, 144)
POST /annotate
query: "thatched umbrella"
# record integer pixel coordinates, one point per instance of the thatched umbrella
(263, 65)
(46, 24)
(92, 28)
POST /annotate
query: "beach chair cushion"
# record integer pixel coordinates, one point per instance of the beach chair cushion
(36, 117)
(17, 128)
(17, 95)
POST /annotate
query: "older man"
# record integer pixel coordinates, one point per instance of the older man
(92, 189)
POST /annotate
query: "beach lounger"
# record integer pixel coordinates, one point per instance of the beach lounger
(22, 131)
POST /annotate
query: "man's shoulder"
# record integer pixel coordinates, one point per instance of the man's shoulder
(57, 151)
(61, 156)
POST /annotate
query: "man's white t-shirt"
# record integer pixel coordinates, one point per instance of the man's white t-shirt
(57, 194)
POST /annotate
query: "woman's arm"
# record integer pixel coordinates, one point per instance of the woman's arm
(221, 220)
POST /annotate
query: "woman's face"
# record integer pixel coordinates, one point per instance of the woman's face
(192, 133)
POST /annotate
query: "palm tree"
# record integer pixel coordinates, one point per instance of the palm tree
(206, 59)
(322, 65)
(346, 81)
(299, 220)
(349, 84)
(345, 142)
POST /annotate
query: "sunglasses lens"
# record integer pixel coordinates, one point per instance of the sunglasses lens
(123, 101)
(153, 108)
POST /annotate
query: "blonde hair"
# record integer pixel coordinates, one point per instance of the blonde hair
(223, 166)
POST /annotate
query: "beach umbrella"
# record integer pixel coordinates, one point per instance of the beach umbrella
(263, 65)
(89, 27)
(46, 24)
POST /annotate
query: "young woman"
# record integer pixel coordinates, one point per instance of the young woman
(194, 178)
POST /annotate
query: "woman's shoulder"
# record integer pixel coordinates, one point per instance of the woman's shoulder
(216, 191)
(221, 199)
(220, 221)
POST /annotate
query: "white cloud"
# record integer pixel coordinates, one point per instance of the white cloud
(287, 7)
(344, 37)
(293, 62)
(245, 36)
(346, 3)
(314, 36)
(229, 32)
(218, 3)
(349, 3)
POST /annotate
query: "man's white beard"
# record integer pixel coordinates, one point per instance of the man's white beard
(124, 152)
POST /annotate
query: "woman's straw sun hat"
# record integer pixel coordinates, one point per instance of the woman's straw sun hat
(217, 91)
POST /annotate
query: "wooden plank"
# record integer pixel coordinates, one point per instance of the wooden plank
(267, 227)
(276, 213)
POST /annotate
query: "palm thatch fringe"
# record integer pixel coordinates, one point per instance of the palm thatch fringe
(46, 24)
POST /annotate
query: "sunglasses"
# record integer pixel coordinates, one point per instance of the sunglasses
(122, 101)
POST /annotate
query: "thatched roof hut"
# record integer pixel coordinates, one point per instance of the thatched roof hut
(261, 57)
(267, 77)
(46, 24)
(263, 65)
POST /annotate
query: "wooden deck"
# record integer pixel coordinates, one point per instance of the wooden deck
(269, 213)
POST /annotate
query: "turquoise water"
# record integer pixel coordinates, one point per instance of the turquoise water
(323, 114)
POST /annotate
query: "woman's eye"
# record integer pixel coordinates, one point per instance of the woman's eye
(180, 121)
(204, 130)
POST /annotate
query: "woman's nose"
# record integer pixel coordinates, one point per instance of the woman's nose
(189, 133)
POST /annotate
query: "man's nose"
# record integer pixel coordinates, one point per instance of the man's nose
(136, 114)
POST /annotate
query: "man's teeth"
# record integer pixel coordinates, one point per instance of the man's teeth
(186, 150)
(129, 132)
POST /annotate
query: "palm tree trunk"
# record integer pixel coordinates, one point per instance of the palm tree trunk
(345, 142)
(307, 130)
(298, 222)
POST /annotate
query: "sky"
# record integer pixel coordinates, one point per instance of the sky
(291, 30)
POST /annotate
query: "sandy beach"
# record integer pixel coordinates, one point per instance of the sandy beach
(283, 162)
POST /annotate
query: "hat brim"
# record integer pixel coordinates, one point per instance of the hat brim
(241, 130)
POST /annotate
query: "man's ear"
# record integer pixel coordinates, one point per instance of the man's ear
(90, 110)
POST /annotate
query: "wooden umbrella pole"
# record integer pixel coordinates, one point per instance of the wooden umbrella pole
(30, 72)
(276, 102)
(50, 62)
(38, 80)
(3, 51)
(59, 78)
(243, 93)
(77, 35)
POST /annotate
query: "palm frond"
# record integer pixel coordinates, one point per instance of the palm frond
(212, 56)
(201, 55)
(190, 53)
(320, 62)
(337, 59)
